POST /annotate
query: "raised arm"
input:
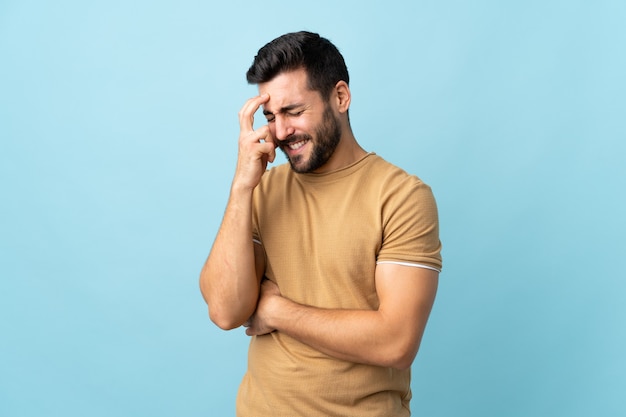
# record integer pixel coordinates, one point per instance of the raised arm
(231, 275)
(389, 336)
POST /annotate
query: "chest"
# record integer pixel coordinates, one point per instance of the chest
(321, 246)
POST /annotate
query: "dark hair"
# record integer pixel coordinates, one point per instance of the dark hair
(321, 60)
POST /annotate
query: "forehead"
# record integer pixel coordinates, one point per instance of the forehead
(288, 88)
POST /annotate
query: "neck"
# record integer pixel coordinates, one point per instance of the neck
(348, 151)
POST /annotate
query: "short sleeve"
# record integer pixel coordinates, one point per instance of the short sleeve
(410, 225)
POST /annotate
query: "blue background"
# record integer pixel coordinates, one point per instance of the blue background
(118, 131)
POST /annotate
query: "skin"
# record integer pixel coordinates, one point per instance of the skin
(231, 280)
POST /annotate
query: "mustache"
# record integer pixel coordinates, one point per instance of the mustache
(292, 139)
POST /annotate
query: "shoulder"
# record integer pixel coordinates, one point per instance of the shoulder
(277, 171)
(394, 179)
(275, 175)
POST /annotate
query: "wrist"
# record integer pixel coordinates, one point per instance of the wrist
(240, 188)
(275, 310)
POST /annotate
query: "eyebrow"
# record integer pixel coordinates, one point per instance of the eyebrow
(284, 109)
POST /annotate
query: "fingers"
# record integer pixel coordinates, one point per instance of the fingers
(246, 114)
(269, 287)
(246, 123)
(247, 325)
(260, 142)
(256, 147)
(251, 327)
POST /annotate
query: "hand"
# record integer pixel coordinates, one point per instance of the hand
(258, 324)
(256, 147)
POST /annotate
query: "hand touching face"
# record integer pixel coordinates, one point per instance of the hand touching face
(256, 147)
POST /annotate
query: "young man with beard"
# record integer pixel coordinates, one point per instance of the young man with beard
(331, 262)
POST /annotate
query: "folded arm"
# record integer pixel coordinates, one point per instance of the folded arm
(232, 273)
(389, 336)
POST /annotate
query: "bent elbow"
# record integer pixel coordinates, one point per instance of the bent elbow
(402, 357)
(223, 321)
(403, 363)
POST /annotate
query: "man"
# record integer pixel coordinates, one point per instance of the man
(330, 261)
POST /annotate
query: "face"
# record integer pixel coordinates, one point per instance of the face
(304, 126)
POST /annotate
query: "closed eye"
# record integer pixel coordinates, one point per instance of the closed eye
(270, 117)
(293, 110)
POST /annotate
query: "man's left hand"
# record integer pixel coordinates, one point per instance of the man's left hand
(258, 325)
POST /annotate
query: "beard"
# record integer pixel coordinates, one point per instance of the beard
(327, 137)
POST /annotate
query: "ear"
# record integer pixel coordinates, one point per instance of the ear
(342, 96)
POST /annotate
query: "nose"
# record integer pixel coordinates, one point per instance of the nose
(283, 128)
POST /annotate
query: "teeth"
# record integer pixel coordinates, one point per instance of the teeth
(297, 145)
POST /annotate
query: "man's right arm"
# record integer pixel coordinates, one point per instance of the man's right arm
(231, 276)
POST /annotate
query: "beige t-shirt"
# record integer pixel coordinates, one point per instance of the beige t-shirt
(323, 235)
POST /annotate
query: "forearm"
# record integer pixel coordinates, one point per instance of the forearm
(361, 336)
(228, 280)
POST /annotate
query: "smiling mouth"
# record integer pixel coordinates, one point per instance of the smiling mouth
(294, 146)
(294, 143)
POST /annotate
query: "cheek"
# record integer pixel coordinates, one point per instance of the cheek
(304, 125)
